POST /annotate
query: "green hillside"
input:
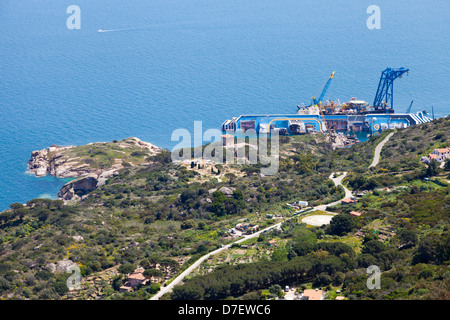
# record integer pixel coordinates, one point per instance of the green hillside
(162, 215)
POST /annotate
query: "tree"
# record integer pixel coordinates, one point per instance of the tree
(428, 249)
(408, 237)
(187, 194)
(366, 260)
(193, 292)
(374, 247)
(447, 165)
(188, 224)
(117, 282)
(218, 205)
(322, 279)
(369, 237)
(238, 195)
(60, 285)
(303, 234)
(149, 273)
(172, 264)
(276, 290)
(341, 224)
(280, 255)
(338, 278)
(126, 268)
(16, 205)
(230, 176)
(302, 248)
(202, 249)
(433, 168)
(153, 288)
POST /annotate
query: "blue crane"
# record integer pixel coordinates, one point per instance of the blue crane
(409, 108)
(325, 88)
(385, 92)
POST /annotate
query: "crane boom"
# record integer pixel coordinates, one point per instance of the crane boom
(385, 92)
(409, 108)
(325, 88)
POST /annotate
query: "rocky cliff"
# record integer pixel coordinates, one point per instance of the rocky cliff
(92, 164)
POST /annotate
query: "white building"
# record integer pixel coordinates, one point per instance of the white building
(440, 154)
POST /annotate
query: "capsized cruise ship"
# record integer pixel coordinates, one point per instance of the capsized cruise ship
(354, 116)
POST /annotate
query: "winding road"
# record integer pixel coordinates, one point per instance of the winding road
(337, 182)
(376, 156)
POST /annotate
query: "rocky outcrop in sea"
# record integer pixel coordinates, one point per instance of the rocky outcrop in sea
(60, 162)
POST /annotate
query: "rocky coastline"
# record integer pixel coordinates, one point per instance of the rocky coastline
(62, 162)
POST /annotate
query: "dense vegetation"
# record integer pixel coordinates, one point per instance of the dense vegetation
(414, 214)
(163, 216)
(414, 261)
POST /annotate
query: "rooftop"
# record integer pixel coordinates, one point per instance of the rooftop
(348, 200)
(442, 150)
(313, 294)
(136, 276)
(433, 156)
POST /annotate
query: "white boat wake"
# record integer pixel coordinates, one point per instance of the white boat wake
(189, 25)
(113, 30)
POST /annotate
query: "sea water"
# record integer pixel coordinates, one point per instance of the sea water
(161, 64)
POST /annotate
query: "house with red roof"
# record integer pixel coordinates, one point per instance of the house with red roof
(440, 154)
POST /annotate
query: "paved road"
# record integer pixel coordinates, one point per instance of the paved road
(191, 268)
(376, 157)
(337, 182)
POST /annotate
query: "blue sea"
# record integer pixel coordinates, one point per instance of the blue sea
(161, 64)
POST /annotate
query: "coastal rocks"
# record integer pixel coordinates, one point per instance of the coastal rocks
(338, 140)
(60, 266)
(52, 161)
(101, 179)
(74, 162)
(78, 238)
(77, 189)
(91, 163)
(147, 145)
(227, 191)
(206, 200)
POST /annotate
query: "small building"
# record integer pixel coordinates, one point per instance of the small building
(272, 243)
(439, 154)
(361, 194)
(125, 288)
(355, 213)
(134, 279)
(425, 160)
(442, 153)
(348, 201)
(433, 156)
(310, 294)
(301, 203)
